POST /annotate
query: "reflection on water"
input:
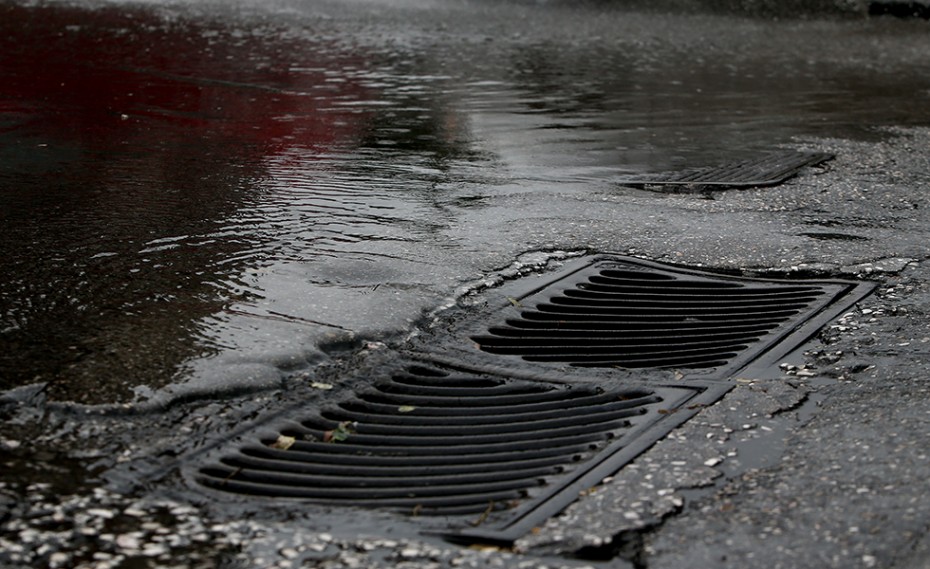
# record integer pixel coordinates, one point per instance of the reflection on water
(181, 189)
(125, 174)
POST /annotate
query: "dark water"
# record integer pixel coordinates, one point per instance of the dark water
(189, 188)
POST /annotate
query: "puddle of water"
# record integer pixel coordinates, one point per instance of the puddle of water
(185, 187)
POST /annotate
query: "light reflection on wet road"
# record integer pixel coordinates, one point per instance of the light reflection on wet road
(196, 190)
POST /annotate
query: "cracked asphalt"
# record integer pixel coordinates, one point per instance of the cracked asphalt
(821, 463)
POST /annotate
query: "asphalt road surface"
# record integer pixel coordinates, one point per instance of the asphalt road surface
(209, 210)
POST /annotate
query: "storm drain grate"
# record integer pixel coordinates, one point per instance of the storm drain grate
(483, 451)
(434, 441)
(767, 170)
(629, 313)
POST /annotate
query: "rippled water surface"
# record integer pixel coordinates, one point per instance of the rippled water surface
(209, 190)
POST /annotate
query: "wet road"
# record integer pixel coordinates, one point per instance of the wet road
(209, 194)
(200, 196)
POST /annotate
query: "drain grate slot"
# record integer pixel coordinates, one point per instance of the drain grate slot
(449, 443)
(767, 170)
(628, 313)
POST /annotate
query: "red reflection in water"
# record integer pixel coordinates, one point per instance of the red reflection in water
(108, 74)
(119, 128)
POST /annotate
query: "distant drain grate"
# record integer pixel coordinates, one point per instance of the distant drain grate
(767, 170)
(629, 313)
(432, 441)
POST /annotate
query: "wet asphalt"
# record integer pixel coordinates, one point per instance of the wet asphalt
(222, 205)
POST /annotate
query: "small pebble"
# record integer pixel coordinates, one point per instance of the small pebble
(127, 541)
(101, 513)
(289, 553)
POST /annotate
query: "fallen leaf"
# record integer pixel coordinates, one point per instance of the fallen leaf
(406, 408)
(514, 302)
(340, 433)
(284, 442)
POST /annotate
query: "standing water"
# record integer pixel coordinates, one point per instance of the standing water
(197, 192)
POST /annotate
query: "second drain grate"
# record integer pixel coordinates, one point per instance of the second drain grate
(434, 441)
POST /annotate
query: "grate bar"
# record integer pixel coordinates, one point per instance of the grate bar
(589, 409)
(377, 435)
(229, 480)
(470, 413)
(608, 328)
(386, 481)
(386, 457)
(602, 294)
(697, 306)
(561, 306)
(529, 428)
(557, 313)
(394, 470)
(498, 392)
(597, 282)
(545, 337)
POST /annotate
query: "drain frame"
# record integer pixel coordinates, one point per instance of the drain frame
(507, 303)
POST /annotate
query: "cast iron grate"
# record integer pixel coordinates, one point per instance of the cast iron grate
(490, 449)
(628, 313)
(767, 170)
(434, 441)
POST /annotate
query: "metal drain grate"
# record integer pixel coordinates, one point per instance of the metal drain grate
(628, 313)
(767, 170)
(432, 441)
(487, 450)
